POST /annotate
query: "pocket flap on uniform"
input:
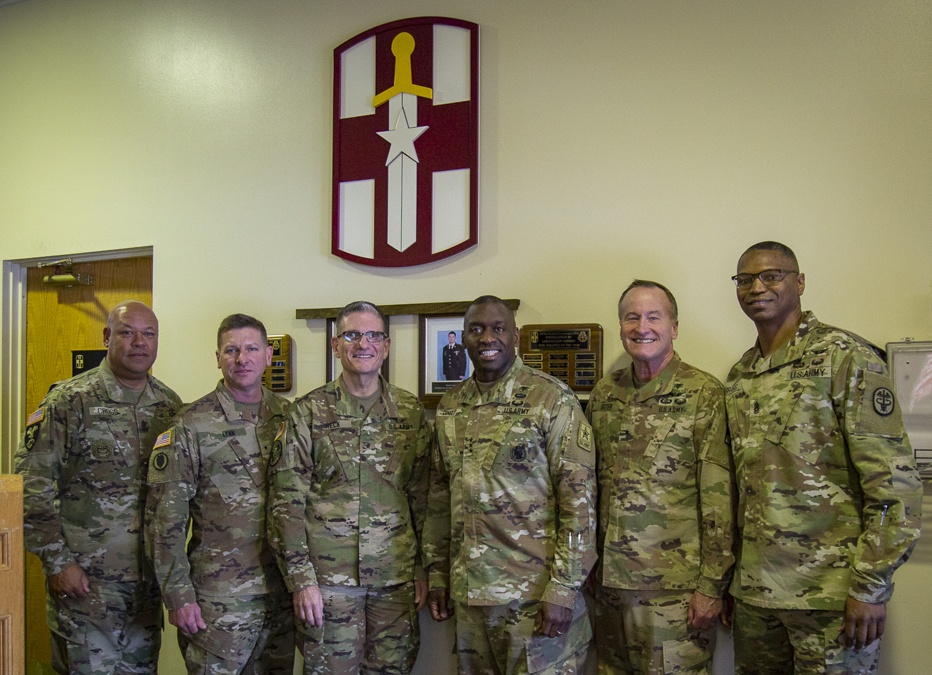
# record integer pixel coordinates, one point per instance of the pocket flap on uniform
(216, 641)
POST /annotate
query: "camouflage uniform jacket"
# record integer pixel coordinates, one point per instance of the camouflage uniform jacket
(829, 495)
(83, 459)
(666, 483)
(512, 504)
(349, 497)
(209, 469)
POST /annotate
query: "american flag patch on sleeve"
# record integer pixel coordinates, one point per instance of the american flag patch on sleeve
(36, 417)
(163, 439)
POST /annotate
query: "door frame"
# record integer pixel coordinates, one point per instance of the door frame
(13, 340)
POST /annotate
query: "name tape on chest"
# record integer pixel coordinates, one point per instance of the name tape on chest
(104, 411)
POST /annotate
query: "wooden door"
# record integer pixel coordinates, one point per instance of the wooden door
(11, 575)
(58, 320)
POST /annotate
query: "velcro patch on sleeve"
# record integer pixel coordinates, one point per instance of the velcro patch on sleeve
(579, 449)
(879, 408)
(584, 437)
(36, 417)
(164, 439)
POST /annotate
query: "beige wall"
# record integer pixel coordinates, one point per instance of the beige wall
(620, 138)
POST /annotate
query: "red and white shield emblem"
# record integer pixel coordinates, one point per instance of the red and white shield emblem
(406, 142)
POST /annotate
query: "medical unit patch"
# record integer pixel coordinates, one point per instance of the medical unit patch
(406, 142)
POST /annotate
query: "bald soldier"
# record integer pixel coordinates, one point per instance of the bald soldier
(223, 591)
(666, 524)
(83, 460)
(511, 520)
(347, 509)
(829, 495)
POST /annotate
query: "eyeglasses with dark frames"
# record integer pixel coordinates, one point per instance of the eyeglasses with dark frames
(770, 277)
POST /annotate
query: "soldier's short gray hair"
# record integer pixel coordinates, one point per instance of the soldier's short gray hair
(645, 283)
(360, 306)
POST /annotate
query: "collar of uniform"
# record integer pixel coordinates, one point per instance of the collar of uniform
(660, 385)
(787, 353)
(271, 405)
(384, 408)
(115, 390)
(500, 393)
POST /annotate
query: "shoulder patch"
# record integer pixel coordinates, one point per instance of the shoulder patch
(584, 437)
(164, 439)
(36, 417)
(29, 438)
(275, 455)
(159, 461)
(879, 415)
(281, 432)
(883, 401)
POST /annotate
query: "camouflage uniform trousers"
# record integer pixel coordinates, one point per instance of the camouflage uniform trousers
(500, 640)
(796, 641)
(249, 635)
(646, 632)
(366, 630)
(116, 628)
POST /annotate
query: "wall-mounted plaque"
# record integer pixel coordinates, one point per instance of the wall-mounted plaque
(84, 359)
(277, 377)
(571, 352)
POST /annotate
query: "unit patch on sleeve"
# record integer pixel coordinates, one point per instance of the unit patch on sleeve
(878, 410)
(584, 437)
(160, 461)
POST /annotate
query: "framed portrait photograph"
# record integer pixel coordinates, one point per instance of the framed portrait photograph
(334, 367)
(443, 358)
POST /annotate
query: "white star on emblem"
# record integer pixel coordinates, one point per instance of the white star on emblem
(402, 138)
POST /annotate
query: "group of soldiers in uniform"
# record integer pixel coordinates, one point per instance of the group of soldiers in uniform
(779, 504)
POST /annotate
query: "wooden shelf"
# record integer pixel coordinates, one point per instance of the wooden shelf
(417, 308)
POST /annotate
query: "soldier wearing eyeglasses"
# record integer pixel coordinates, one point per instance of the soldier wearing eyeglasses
(347, 507)
(829, 496)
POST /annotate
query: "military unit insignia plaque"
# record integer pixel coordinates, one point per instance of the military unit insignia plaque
(406, 142)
